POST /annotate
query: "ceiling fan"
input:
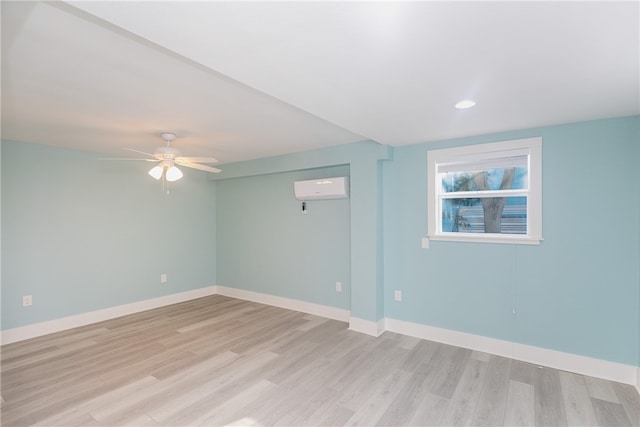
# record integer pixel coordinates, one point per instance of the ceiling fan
(168, 157)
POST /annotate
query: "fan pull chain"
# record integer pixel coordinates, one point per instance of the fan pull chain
(164, 180)
(165, 183)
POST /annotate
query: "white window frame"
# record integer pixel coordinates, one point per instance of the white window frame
(531, 148)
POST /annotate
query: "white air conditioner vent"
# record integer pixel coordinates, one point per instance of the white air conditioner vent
(322, 188)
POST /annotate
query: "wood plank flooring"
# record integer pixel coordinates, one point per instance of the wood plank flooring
(219, 361)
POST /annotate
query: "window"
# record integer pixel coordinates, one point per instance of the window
(486, 192)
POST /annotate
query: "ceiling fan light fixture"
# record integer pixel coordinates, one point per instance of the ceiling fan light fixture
(173, 174)
(156, 172)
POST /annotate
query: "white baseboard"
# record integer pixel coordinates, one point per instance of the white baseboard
(368, 327)
(288, 303)
(43, 328)
(584, 365)
(64, 323)
(613, 371)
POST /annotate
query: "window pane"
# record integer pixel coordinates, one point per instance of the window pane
(506, 215)
(491, 179)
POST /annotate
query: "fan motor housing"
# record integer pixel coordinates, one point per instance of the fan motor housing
(167, 152)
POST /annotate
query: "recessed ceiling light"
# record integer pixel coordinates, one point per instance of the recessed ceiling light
(467, 103)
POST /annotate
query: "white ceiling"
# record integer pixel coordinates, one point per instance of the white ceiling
(242, 80)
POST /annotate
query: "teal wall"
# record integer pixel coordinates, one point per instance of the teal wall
(82, 234)
(265, 243)
(241, 182)
(576, 292)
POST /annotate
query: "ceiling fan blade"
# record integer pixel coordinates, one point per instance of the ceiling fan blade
(127, 158)
(140, 152)
(199, 167)
(196, 159)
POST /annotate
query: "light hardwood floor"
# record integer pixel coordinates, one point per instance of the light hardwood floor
(221, 361)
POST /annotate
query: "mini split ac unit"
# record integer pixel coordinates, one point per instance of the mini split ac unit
(323, 188)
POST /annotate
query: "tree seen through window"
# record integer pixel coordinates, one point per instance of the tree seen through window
(478, 210)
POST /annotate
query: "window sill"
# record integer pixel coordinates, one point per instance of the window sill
(485, 238)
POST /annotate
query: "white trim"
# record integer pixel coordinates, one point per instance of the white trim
(484, 153)
(70, 322)
(484, 238)
(613, 371)
(288, 303)
(375, 329)
(584, 365)
(64, 323)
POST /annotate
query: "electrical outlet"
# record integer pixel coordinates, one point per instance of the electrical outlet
(425, 243)
(338, 287)
(163, 278)
(397, 295)
(27, 301)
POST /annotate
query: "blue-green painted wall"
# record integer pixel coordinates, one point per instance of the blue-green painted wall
(576, 292)
(265, 243)
(82, 234)
(364, 231)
